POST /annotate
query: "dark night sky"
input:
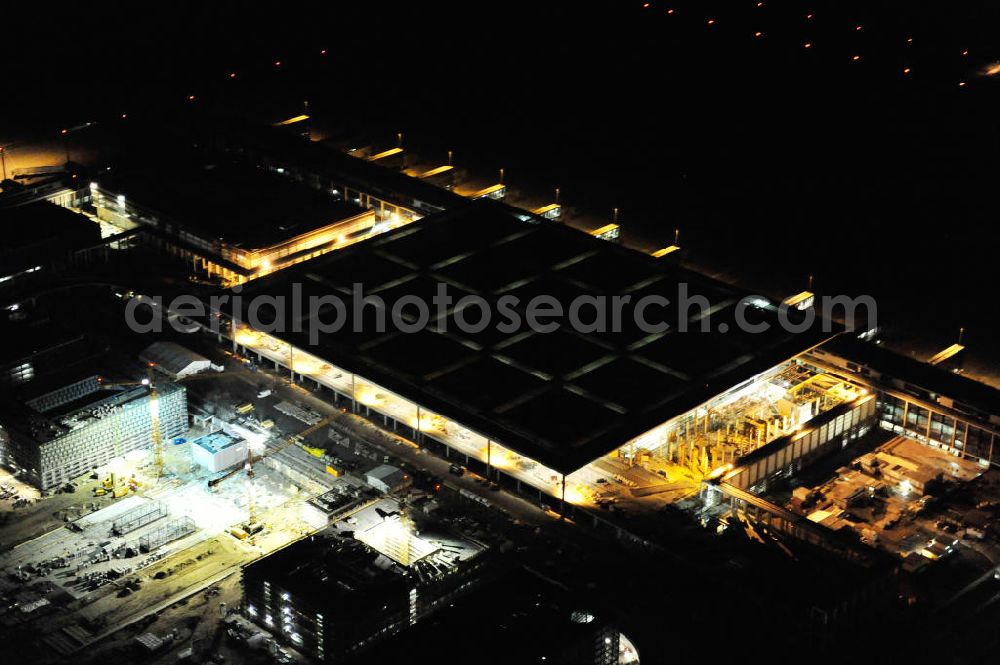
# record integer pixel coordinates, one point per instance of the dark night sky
(774, 160)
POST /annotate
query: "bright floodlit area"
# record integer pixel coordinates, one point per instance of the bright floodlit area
(661, 466)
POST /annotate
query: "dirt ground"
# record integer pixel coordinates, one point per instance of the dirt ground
(18, 525)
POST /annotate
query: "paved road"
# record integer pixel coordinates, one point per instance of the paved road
(394, 445)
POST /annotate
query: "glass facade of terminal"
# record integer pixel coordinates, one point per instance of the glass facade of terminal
(919, 422)
(374, 400)
(685, 449)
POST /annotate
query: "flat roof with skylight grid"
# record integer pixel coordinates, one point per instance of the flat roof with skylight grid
(562, 398)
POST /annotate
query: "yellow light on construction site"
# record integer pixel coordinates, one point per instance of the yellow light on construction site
(247, 337)
(292, 120)
(660, 253)
(577, 495)
(369, 397)
(306, 366)
(719, 470)
(500, 459)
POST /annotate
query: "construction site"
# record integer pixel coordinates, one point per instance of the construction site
(671, 461)
(913, 502)
(168, 519)
(308, 495)
(391, 564)
(644, 419)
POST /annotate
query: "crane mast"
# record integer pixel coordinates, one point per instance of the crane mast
(154, 417)
(249, 467)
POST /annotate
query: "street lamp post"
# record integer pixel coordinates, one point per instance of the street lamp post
(65, 135)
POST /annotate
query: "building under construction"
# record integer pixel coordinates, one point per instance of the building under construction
(343, 590)
(67, 431)
(589, 417)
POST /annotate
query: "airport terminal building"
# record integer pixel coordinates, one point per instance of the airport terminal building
(229, 220)
(589, 418)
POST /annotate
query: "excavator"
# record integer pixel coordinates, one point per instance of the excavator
(252, 526)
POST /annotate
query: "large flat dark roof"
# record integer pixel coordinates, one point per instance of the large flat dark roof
(520, 618)
(221, 199)
(26, 336)
(562, 398)
(281, 147)
(331, 573)
(930, 378)
(40, 231)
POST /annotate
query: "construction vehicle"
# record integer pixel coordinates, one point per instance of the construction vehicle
(117, 486)
(252, 527)
(238, 533)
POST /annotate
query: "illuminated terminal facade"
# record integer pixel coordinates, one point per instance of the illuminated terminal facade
(230, 221)
(590, 418)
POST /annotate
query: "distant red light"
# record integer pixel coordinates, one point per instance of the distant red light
(809, 17)
(190, 98)
(65, 131)
(965, 53)
(277, 63)
(322, 52)
(232, 75)
(858, 28)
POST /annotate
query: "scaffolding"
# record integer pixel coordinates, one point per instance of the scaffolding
(138, 517)
(116, 422)
(741, 420)
(166, 533)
